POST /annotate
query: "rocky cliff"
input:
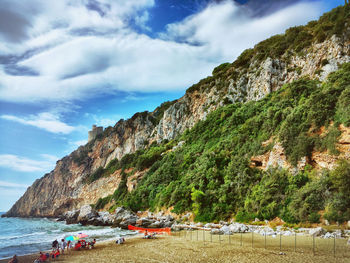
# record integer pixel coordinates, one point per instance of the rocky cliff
(252, 76)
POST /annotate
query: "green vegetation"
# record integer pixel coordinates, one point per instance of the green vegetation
(293, 42)
(211, 173)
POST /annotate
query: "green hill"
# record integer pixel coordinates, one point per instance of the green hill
(211, 173)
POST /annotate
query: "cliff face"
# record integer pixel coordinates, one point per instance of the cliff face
(64, 188)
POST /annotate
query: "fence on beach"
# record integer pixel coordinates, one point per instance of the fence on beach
(336, 247)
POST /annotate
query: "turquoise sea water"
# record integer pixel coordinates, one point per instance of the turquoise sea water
(23, 236)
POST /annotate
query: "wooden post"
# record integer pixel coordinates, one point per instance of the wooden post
(295, 241)
(197, 234)
(252, 239)
(313, 244)
(229, 239)
(241, 238)
(334, 246)
(265, 239)
(280, 241)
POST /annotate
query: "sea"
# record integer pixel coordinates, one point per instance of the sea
(22, 236)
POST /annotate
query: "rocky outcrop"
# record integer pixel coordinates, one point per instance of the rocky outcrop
(120, 218)
(64, 188)
(276, 157)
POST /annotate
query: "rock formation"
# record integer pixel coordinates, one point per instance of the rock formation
(64, 188)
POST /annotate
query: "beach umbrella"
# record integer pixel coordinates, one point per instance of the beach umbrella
(82, 235)
(72, 238)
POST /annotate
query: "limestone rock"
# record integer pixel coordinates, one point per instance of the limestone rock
(317, 231)
(238, 228)
(86, 214)
(71, 217)
(63, 189)
(215, 231)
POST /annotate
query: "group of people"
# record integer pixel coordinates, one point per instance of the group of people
(83, 244)
(58, 248)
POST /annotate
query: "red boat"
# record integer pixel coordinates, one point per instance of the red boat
(150, 230)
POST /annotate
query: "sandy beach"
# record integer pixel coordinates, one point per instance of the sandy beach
(181, 249)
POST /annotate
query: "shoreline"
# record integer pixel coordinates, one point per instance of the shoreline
(32, 256)
(180, 248)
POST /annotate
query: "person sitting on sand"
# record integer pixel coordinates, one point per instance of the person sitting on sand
(42, 258)
(91, 244)
(120, 240)
(147, 236)
(55, 253)
(13, 259)
(83, 243)
(77, 246)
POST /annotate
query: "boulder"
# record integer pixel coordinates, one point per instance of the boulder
(168, 223)
(223, 223)
(156, 224)
(288, 233)
(226, 230)
(71, 216)
(105, 218)
(86, 214)
(319, 231)
(215, 231)
(238, 228)
(328, 235)
(124, 217)
(199, 224)
(145, 221)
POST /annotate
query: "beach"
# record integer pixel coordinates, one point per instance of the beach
(179, 249)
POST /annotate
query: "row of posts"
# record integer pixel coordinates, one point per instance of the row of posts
(241, 240)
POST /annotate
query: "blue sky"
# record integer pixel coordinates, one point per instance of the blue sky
(68, 64)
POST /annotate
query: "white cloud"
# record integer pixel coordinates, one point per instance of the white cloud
(22, 164)
(80, 143)
(79, 66)
(46, 121)
(12, 185)
(226, 29)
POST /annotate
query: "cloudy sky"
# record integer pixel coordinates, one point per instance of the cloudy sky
(68, 64)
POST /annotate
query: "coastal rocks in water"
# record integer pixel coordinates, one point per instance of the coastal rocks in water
(145, 221)
(87, 215)
(124, 217)
(105, 219)
(71, 217)
(319, 231)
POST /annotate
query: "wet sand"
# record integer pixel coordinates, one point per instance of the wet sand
(181, 249)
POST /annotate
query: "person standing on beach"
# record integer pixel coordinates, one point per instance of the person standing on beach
(55, 244)
(63, 245)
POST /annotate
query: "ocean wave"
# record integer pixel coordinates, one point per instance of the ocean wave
(22, 236)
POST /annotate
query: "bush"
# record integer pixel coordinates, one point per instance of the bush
(314, 218)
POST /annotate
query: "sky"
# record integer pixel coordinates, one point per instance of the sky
(66, 65)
